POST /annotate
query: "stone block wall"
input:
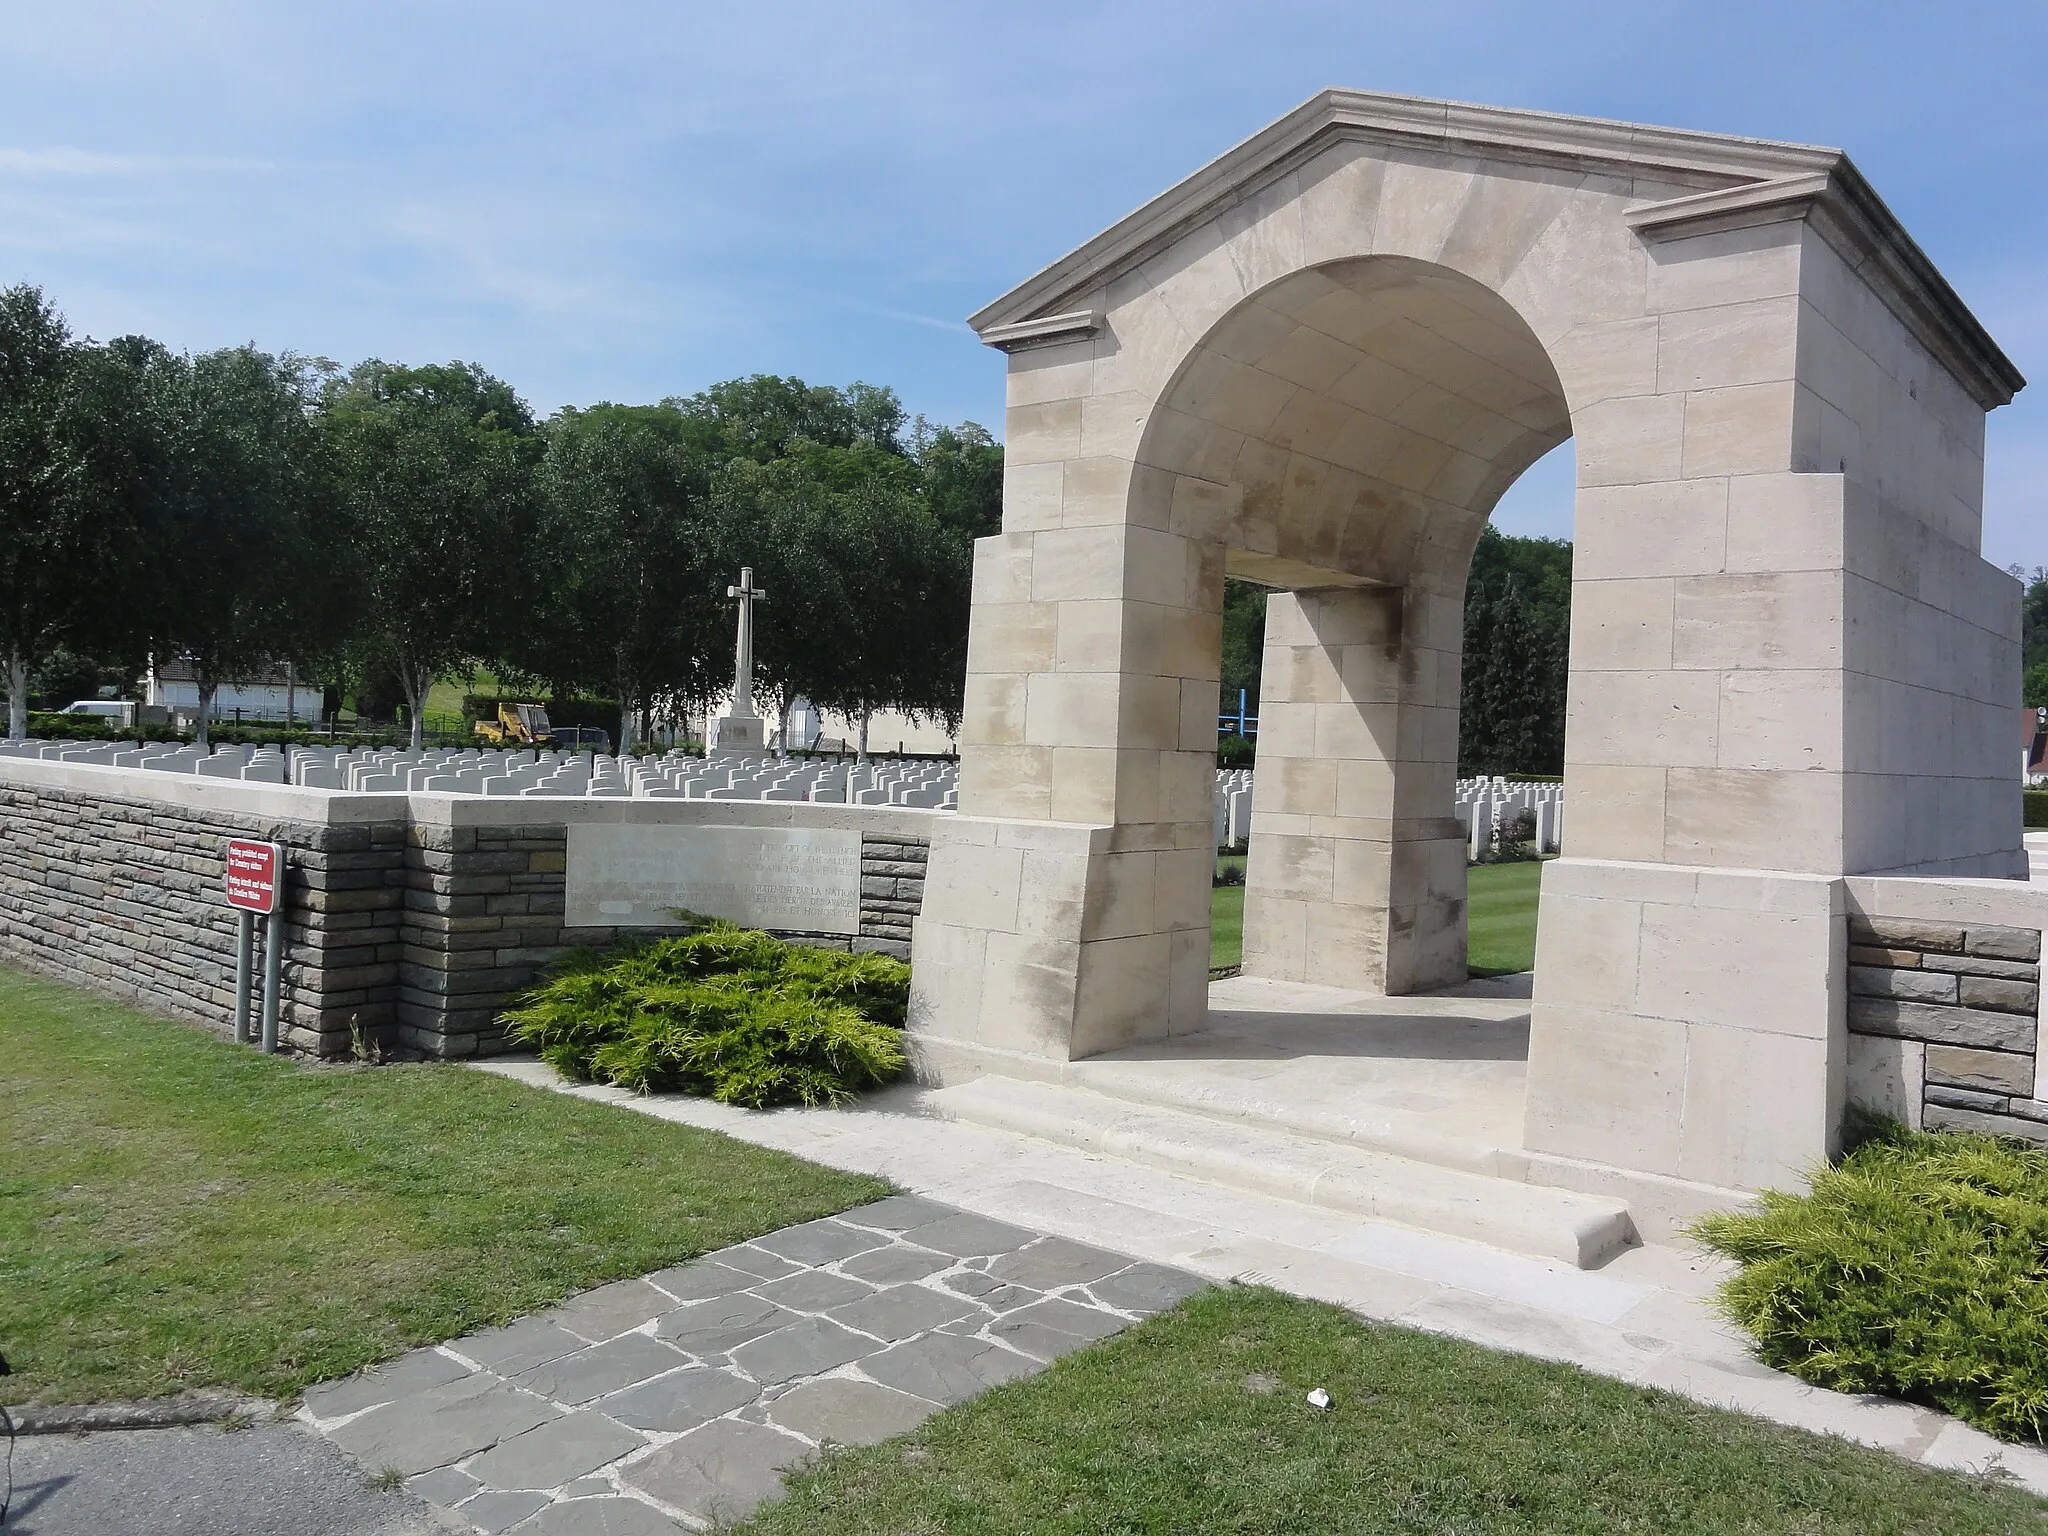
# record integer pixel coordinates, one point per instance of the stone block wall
(483, 917)
(124, 895)
(409, 924)
(1943, 1024)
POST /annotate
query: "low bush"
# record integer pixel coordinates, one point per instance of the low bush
(2036, 809)
(727, 1012)
(1237, 752)
(1916, 1267)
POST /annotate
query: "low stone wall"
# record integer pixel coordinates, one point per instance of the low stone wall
(1945, 1003)
(484, 902)
(411, 919)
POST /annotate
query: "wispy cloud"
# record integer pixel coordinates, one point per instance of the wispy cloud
(65, 161)
(909, 317)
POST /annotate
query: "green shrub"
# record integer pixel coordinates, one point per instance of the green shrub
(1237, 752)
(2036, 817)
(727, 1012)
(1916, 1267)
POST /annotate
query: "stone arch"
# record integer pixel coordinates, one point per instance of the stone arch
(1789, 661)
(1343, 433)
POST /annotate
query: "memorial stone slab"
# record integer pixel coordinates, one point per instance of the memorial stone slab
(793, 879)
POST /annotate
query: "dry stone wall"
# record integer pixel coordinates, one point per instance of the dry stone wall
(404, 924)
(1952, 1012)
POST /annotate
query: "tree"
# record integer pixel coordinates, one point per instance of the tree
(47, 547)
(1517, 641)
(243, 507)
(1244, 644)
(635, 601)
(962, 472)
(435, 468)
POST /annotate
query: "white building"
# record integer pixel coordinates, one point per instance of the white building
(270, 695)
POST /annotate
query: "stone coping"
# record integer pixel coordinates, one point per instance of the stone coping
(342, 807)
(198, 792)
(2005, 903)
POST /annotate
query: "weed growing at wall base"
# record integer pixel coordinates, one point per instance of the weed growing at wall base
(727, 1012)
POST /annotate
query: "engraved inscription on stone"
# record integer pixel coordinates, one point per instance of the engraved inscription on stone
(797, 880)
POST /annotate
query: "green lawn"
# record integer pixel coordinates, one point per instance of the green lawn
(1196, 1422)
(1500, 919)
(179, 1212)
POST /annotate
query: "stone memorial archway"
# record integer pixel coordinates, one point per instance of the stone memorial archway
(1318, 363)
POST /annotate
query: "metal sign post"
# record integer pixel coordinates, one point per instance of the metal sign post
(255, 876)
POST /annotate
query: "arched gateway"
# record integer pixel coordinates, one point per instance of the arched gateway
(1318, 363)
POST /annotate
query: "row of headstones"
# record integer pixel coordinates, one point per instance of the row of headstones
(480, 771)
(678, 776)
(264, 765)
(1487, 808)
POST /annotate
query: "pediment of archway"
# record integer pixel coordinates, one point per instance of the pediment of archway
(1558, 215)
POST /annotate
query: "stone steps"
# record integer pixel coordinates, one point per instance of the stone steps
(1581, 1229)
(1237, 1101)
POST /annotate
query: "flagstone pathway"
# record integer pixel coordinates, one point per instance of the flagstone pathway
(681, 1398)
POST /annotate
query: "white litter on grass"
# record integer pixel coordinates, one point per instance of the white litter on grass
(1319, 1398)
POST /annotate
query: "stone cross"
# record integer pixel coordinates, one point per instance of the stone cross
(746, 594)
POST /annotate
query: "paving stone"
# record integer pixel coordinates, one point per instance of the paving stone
(442, 1424)
(602, 1368)
(1052, 1262)
(815, 1290)
(963, 1235)
(682, 1400)
(719, 1472)
(903, 1311)
(600, 1517)
(548, 1456)
(702, 1280)
(715, 1327)
(1147, 1288)
(803, 1349)
(1007, 1298)
(849, 1412)
(820, 1242)
(897, 1263)
(518, 1347)
(898, 1213)
(947, 1368)
(443, 1485)
(586, 1488)
(499, 1511)
(749, 1258)
(1049, 1329)
(385, 1383)
(610, 1310)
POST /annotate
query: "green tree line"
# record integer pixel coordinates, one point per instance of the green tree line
(383, 526)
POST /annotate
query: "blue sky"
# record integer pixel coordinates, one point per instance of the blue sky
(626, 201)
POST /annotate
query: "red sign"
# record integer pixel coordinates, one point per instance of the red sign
(253, 874)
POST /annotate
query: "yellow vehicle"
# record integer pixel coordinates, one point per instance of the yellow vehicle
(523, 725)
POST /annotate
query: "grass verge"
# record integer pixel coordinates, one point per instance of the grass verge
(179, 1212)
(1913, 1268)
(1196, 1422)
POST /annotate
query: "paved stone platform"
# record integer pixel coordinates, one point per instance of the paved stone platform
(684, 1396)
